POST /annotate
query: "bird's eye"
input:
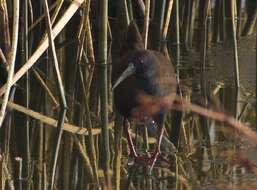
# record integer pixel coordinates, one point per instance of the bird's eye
(140, 67)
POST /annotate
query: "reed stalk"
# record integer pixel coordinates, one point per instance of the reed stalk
(25, 54)
(125, 11)
(90, 53)
(177, 23)
(44, 45)
(130, 9)
(167, 21)
(256, 72)
(4, 29)
(42, 17)
(236, 66)
(204, 33)
(239, 18)
(158, 22)
(28, 89)
(118, 129)
(145, 41)
(251, 18)
(88, 158)
(92, 151)
(5, 177)
(217, 23)
(146, 23)
(62, 98)
(52, 122)
(192, 23)
(11, 59)
(102, 61)
(85, 158)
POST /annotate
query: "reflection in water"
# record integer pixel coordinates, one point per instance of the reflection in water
(210, 155)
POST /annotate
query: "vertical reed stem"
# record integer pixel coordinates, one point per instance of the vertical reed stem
(167, 21)
(130, 9)
(256, 75)
(146, 23)
(92, 152)
(236, 67)
(11, 58)
(204, 33)
(126, 11)
(26, 54)
(19, 162)
(118, 129)
(239, 18)
(103, 89)
(159, 22)
(62, 113)
(177, 22)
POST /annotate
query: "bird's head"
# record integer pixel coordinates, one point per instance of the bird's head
(139, 68)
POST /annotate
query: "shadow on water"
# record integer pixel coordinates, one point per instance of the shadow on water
(210, 154)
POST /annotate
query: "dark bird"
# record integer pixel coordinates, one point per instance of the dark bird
(144, 88)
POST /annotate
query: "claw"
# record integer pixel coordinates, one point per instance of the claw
(153, 160)
(156, 157)
(149, 161)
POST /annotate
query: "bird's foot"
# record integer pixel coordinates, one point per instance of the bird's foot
(156, 157)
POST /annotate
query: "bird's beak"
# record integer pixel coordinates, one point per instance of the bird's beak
(129, 71)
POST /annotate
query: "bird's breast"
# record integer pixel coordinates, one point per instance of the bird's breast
(147, 93)
(140, 98)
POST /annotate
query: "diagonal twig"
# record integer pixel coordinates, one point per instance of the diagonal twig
(61, 92)
(52, 122)
(44, 45)
(11, 59)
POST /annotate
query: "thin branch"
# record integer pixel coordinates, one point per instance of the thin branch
(11, 59)
(84, 157)
(146, 23)
(2, 57)
(34, 24)
(182, 104)
(219, 116)
(167, 20)
(47, 89)
(61, 92)
(53, 122)
(236, 66)
(44, 45)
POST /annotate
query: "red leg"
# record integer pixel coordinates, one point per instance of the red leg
(141, 159)
(132, 150)
(157, 150)
(129, 139)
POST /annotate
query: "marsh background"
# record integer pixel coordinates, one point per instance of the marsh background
(43, 145)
